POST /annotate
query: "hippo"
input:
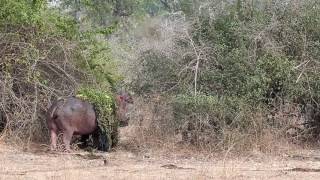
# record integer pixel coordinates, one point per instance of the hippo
(74, 116)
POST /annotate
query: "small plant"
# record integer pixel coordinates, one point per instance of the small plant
(104, 106)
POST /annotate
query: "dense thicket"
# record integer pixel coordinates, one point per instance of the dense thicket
(231, 70)
(44, 56)
(223, 74)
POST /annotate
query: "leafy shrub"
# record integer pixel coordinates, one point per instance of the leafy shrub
(227, 63)
(44, 56)
(209, 114)
(273, 78)
(105, 108)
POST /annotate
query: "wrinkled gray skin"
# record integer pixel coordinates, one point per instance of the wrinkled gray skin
(70, 116)
(73, 116)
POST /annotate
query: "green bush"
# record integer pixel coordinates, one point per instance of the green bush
(211, 122)
(219, 111)
(105, 108)
(251, 57)
(44, 56)
(273, 77)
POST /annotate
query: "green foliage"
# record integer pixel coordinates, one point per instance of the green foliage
(249, 53)
(101, 13)
(21, 12)
(205, 120)
(95, 57)
(45, 55)
(253, 50)
(216, 111)
(58, 25)
(240, 54)
(236, 70)
(155, 65)
(105, 109)
(102, 99)
(273, 77)
(92, 54)
(35, 14)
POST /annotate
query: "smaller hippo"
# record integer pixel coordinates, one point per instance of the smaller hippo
(73, 116)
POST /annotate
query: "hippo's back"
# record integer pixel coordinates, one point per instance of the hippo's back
(73, 114)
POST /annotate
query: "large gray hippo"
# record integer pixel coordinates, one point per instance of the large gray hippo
(73, 116)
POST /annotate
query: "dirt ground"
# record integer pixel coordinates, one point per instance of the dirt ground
(37, 163)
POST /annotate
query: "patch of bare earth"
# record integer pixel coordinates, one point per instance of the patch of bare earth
(36, 163)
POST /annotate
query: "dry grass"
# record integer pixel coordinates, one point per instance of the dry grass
(38, 164)
(151, 129)
(149, 157)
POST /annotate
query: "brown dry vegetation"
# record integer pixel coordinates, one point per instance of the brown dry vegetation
(152, 126)
(34, 70)
(220, 92)
(161, 162)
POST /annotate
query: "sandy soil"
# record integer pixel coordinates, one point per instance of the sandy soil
(39, 164)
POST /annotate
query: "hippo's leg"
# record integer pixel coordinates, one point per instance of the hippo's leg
(67, 136)
(54, 137)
